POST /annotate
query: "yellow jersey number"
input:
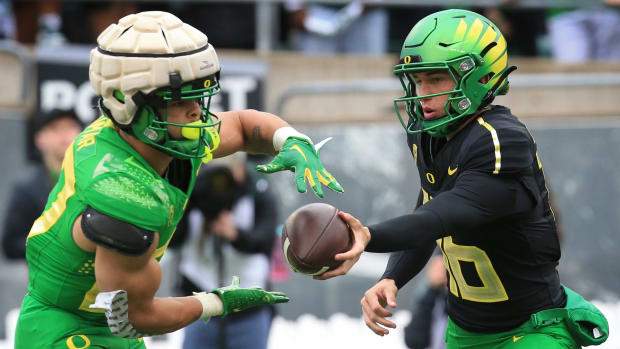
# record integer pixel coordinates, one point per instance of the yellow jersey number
(492, 289)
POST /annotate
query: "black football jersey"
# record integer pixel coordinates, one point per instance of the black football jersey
(500, 270)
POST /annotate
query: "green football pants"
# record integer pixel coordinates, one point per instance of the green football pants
(526, 336)
(42, 326)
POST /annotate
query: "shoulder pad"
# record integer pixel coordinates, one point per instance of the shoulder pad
(131, 195)
(115, 234)
(498, 147)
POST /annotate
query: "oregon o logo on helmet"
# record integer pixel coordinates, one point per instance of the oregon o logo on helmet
(207, 83)
(407, 59)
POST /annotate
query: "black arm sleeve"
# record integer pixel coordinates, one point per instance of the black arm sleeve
(404, 265)
(260, 238)
(476, 199)
(405, 232)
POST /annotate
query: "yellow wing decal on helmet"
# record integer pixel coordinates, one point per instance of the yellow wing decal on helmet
(460, 31)
(499, 59)
(475, 30)
(489, 36)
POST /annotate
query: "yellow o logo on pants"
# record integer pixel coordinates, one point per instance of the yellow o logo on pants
(72, 345)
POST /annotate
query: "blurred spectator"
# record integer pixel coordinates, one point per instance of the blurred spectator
(84, 20)
(56, 22)
(400, 19)
(524, 28)
(231, 229)
(39, 22)
(53, 133)
(354, 28)
(579, 35)
(7, 20)
(205, 16)
(429, 318)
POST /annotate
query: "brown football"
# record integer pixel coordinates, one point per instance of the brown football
(312, 235)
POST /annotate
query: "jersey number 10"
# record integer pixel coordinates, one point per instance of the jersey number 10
(490, 289)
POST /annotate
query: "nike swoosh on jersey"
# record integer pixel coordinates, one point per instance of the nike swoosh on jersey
(451, 171)
(516, 338)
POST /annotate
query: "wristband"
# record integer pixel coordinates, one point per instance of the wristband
(211, 304)
(283, 133)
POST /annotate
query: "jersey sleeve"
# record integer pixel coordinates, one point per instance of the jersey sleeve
(477, 199)
(125, 197)
(404, 265)
(499, 149)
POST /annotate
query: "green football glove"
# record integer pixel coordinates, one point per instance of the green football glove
(301, 157)
(235, 298)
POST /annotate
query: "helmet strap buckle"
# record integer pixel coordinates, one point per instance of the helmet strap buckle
(150, 134)
(467, 65)
(464, 104)
(175, 86)
(139, 99)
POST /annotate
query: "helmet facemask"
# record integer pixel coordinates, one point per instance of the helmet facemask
(200, 138)
(456, 106)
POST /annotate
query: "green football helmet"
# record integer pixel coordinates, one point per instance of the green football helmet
(148, 60)
(466, 45)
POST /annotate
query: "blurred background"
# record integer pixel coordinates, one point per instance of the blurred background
(326, 67)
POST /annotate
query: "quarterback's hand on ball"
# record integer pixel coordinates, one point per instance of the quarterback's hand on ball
(299, 155)
(374, 304)
(361, 237)
(235, 298)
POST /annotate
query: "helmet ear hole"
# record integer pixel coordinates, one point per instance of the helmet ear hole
(485, 79)
(118, 95)
(487, 49)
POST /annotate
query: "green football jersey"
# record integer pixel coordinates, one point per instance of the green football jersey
(100, 170)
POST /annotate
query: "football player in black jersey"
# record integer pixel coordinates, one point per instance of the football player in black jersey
(483, 201)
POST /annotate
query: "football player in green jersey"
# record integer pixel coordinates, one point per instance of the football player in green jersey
(94, 253)
(483, 201)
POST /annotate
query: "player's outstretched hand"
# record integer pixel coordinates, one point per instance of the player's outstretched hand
(300, 156)
(374, 306)
(235, 298)
(361, 237)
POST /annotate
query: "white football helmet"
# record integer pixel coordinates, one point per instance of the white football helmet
(146, 60)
